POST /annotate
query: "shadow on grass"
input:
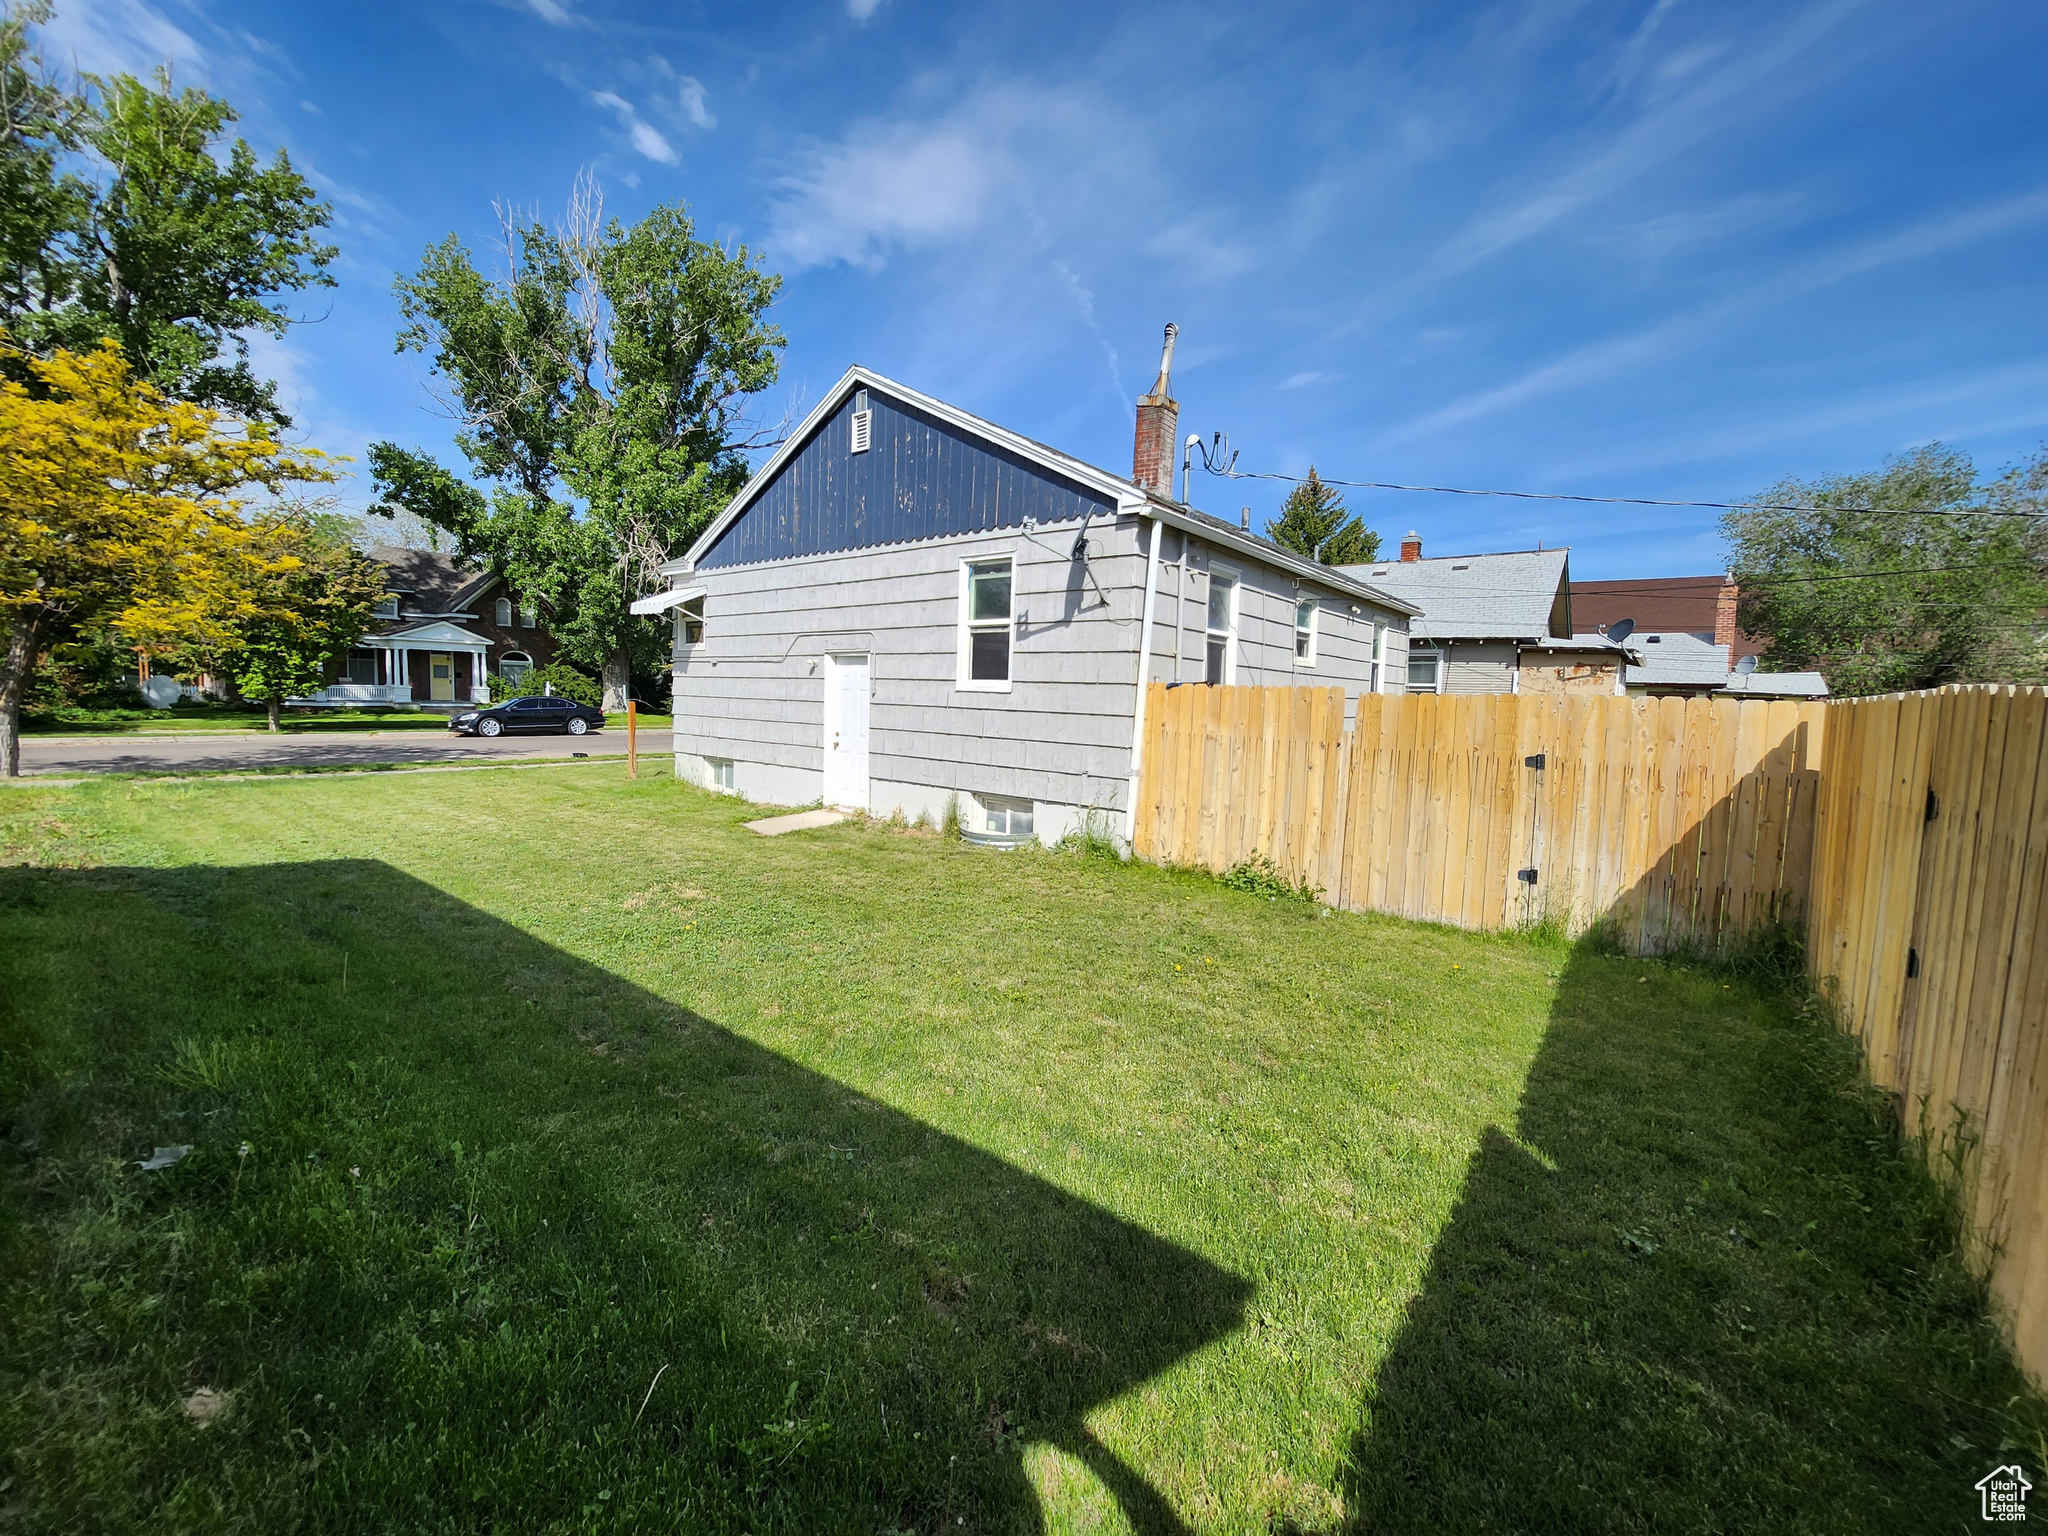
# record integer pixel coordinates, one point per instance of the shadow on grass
(476, 1235)
(1699, 1287)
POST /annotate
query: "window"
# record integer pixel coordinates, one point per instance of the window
(1425, 670)
(690, 622)
(362, 667)
(721, 773)
(1379, 657)
(504, 613)
(985, 624)
(514, 666)
(529, 613)
(1305, 631)
(533, 702)
(1005, 818)
(1222, 628)
(387, 608)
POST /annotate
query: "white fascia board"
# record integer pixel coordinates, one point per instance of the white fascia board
(661, 602)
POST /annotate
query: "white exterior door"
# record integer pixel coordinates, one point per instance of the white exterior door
(846, 732)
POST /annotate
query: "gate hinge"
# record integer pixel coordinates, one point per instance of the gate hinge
(1526, 876)
(1535, 762)
(1912, 963)
(1933, 805)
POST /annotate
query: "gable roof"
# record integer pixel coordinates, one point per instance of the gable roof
(1523, 595)
(1127, 497)
(435, 582)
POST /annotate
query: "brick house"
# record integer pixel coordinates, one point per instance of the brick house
(443, 631)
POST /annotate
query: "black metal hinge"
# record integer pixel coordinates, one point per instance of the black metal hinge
(1526, 876)
(1535, 762)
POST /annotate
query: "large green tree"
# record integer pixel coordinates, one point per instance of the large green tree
(1314, 521)
(1914, 576)
(600, 388)
(126, 215)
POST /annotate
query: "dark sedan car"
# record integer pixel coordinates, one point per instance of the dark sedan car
(553, 714)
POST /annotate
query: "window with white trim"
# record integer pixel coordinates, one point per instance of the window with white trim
(504, 614)
(529, 614)
(690, 622)
(1306, 623)
(1004, 818)
(721, 773)
(1425, 669)
(514, 666)
(387, 608)
(985, 609)
(1222, 632)
(362, 666)
(1379, 656)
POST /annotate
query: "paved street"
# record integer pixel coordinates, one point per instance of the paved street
(70, 755)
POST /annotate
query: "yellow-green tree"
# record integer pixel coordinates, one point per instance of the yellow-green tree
(118, 507)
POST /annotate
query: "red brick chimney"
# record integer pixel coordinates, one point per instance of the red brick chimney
(1411, 547)
(1724, 611)
(1158, 427)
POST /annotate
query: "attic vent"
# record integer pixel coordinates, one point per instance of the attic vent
(1461, 567)
(1654, 639)
(1379, 570)
(863, 424)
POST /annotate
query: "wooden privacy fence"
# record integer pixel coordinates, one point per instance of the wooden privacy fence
(1672, 819)
(1909, 835)
(1930, 932)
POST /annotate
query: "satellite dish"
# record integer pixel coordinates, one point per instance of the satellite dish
(161, 692)
(1745, 666)
(1620, 630)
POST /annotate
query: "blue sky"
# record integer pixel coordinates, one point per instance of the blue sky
(1671, 248)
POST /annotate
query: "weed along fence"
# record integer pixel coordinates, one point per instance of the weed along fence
(1930, 930)
(1907, 836)
(1673, 820)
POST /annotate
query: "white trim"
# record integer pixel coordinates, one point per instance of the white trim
(1144, 669)
(1235, 576)
(661, 602)
(1379, 657)
(963, 644)
(1315, 631)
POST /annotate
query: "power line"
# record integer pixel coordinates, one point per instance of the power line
(1621, 501)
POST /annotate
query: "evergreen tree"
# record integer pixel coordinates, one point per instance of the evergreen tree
(1314, 518)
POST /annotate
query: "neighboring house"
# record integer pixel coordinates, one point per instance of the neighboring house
(1700, 606)
(442, 632)
(909, 606)
(1496, 623)
(1681, 663)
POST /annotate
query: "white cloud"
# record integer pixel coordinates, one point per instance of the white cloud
(119, 37)
(1313, 376)
(881, 188)
(690, 92)
(643, 135)
(553, 12)
(310, 107)
(861, 10)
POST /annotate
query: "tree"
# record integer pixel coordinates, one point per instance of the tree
(117, 506)
(1912, 577)
(292, 596)
(179, 246)
(601, 386)
(1314, 521)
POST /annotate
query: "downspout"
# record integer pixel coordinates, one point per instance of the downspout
(1144, 666)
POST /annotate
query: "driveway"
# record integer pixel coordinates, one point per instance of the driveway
(69, 755)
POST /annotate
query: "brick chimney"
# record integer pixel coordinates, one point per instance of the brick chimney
(1158, 427)
(1411, 547)
(1724, 611)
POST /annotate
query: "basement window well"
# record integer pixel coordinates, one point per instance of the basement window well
(999, 822)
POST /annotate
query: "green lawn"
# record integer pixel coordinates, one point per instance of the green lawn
(567, 1158)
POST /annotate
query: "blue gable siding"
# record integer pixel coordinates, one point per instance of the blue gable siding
(919, 479)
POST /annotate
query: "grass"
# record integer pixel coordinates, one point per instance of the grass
(594, 1165)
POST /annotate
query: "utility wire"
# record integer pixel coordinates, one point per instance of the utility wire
(1621, 501)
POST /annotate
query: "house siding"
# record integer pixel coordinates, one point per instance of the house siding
(920, 478)
(753, 690)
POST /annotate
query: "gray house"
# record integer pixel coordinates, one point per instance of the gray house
(909, 606)
(1496, 623)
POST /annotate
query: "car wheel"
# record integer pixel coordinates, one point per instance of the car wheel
(489, 727)
(578, 726)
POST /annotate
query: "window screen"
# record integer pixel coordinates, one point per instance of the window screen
(1222, 628)
(1305, 630)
